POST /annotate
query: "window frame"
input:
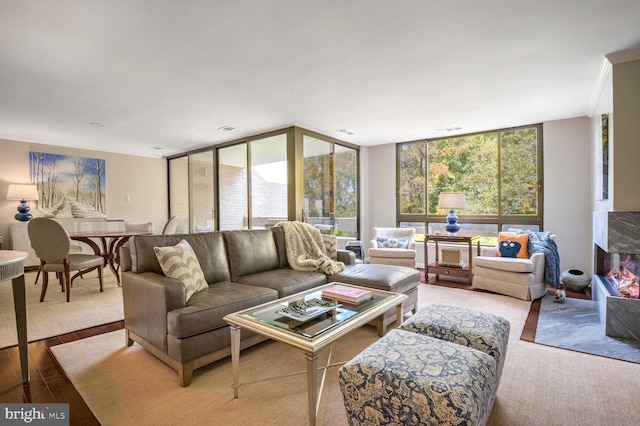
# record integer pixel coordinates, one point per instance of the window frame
(500, 219)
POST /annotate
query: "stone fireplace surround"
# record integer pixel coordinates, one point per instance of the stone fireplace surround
(615, 235)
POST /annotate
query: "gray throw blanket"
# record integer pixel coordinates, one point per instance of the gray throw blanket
(542, 242)
(306, 250)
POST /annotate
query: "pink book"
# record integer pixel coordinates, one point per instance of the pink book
(345, 293)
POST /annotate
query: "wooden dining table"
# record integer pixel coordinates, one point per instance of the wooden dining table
(109, 247)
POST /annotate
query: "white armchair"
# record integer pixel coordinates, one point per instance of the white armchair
(516, 277)
(393, 246)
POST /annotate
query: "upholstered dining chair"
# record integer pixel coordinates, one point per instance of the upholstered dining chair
(174, 225)
(52, 245)
(138, 227)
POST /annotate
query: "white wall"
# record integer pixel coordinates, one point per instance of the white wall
(143, 179)
(568, 190)
(567, 194)
(381, 191)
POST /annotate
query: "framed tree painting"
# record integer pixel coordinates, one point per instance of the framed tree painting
(68, 186)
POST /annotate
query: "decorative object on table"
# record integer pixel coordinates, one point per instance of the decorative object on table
(71, 187)
(22, 193)
(560, 295)
(451, 201)
(575, 280)
(308, 310)
(346, 294)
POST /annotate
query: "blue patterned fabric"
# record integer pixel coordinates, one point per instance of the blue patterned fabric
(467, 327)
(408, 378)
(384, 242)
(541, 242)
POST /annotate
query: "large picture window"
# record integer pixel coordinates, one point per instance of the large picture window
(499, 172)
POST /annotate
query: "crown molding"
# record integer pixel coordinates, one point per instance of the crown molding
(605, 71)
(623, 56)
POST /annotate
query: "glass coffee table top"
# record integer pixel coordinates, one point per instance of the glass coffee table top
(309, 314)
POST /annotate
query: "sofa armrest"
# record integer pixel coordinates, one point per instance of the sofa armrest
(538, 260)
(373, 243)
(147, 298)
(346, 256)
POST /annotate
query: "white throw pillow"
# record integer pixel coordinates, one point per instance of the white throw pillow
(180, 262)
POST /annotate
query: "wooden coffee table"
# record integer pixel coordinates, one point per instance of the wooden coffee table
(310, 335)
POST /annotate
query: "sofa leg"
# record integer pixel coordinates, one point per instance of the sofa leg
(185, 371)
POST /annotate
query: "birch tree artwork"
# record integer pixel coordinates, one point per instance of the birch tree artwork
(68, 186)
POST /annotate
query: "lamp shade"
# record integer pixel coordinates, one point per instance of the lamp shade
(452, 200)
(22, 192)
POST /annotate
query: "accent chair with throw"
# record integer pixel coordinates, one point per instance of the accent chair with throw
(393, 246)
(520, 266)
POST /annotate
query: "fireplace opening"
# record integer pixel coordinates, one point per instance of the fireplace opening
(621, 271)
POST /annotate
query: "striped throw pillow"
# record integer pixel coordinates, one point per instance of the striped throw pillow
(180, 262)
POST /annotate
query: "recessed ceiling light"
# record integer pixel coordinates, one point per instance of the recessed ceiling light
(226, 128)
(96, 124)
(449, 129)
(346, 132)
(158, 148)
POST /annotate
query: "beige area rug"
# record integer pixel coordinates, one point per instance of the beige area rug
(87, 308)
(540, 385)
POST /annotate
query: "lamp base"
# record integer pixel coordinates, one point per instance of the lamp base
(452, 222)
(23, 212)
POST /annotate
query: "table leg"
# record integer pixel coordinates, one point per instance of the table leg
(470, 263)
(20, 304)
(312, 386)
(235, 356)
(399, 314)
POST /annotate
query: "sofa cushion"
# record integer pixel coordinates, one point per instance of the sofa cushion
(281, 246)
(205, 311)
(399, 279)
(250, 252)
(285, 281)
(513, 245)
(384, 242)
(508, 264)
(208, 246)
(180, 262)
(397, 253)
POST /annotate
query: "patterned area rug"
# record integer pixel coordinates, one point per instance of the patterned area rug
(575, 325)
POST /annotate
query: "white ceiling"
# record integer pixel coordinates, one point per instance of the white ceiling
(167, 74)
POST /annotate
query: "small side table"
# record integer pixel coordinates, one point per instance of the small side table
(12, 268)
(436, 268)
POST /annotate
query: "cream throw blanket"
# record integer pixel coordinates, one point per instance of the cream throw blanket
(306, 250)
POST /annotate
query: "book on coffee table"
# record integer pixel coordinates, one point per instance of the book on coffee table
(346, 294)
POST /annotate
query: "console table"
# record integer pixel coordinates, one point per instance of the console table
(12, 268)
(436, 268)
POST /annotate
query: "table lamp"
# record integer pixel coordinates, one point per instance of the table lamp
(22, 193)
(452, 200)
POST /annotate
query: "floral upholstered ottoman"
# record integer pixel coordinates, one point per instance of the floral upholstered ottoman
(408, 378)
(478, 330)
(441, 367)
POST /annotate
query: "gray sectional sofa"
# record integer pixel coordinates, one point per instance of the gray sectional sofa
(243, 268)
